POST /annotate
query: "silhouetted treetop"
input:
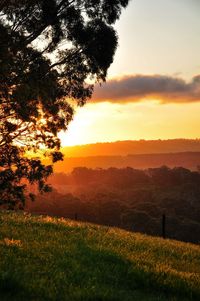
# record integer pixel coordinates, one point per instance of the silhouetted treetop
(50, 53)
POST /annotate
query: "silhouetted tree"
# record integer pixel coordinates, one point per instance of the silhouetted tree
(49, 49)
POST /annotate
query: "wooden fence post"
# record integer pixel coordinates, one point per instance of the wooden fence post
(164, 226)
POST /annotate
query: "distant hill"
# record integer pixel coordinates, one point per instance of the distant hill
(137, 154)
(188, 160)
(123, 148)
(44, 258)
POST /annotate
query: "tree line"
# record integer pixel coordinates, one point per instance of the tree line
(128, 198)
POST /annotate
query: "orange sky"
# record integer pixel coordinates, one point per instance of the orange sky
(144, 120)
(155, 92)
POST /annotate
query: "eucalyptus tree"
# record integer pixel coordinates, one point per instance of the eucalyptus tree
(51, 54)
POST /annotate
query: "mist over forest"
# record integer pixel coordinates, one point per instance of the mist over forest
(129, 184)
(128, 198)
(140, 154)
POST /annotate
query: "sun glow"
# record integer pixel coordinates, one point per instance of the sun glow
(107, 122)
(76, 133)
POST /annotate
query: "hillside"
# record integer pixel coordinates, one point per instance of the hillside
(123, 148)
(142, 161)
(45, 258)
(140, 154)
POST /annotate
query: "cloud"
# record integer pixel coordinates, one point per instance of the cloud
(135, 88)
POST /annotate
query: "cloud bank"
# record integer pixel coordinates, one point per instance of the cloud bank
(135, 88)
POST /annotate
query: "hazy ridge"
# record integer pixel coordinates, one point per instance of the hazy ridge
(127, 147)
(137, 154)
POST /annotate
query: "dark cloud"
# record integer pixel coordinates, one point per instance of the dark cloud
(138, 87)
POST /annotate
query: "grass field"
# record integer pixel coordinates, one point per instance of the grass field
(43, 258)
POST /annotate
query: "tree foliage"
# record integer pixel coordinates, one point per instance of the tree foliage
(49, 51)
(128, 198)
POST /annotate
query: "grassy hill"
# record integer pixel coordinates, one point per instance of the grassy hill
(43, 258)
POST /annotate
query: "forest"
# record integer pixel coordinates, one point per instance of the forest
(127, 198)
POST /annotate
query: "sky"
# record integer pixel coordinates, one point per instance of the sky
(153, 85)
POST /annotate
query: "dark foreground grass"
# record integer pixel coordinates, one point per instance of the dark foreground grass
(43, 258)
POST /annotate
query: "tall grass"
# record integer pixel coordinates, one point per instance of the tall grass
(43, 258)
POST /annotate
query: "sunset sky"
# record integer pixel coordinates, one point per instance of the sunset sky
(153, 87)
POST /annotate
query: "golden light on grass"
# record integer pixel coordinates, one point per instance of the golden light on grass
(10, 242)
